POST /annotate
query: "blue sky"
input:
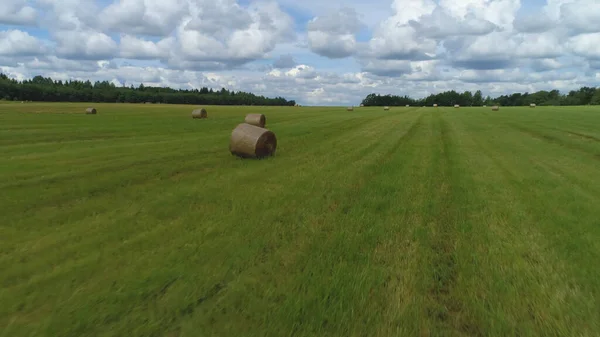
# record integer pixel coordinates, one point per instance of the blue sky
(316, 52)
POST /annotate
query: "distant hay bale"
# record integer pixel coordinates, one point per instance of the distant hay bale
(362, 105)
(532, 105)
(495, 108)
(350, 108)
(407, 105)
(90, 111)
(256, 119)
(456, 106)
(435, 105)
(199, 113)
(386, 108)
(249, 141)
(485, 106)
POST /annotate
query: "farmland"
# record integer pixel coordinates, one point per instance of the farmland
(137, 221)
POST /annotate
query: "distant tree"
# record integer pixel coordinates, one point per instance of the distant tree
(45, 89)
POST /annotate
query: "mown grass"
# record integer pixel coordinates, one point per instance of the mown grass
(409, 222)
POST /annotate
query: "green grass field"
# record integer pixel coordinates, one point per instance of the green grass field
(409, 222)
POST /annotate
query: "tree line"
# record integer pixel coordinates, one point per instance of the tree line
(47, 90)
(583, 96)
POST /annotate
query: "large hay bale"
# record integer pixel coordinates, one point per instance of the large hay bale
(407, 105)
(199, 113)
(362, 105)
(456, 106)
(435, 105)
(495, 108)
(532, 105)
(256, 119)
(485, 106)
(386, 108)
(350, 108)
(249, 141)
(90, 111)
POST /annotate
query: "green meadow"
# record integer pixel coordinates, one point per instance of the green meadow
(416, 221)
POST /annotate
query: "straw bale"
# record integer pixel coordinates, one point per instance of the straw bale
(249, 141)
(256, 119)
(90, 111)
(199, 113)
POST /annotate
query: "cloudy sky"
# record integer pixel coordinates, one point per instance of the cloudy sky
(317, 52)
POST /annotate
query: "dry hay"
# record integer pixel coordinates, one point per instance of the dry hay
(435, 105)
(90, 111)
(495, 108)
(386, 108)
(350, 108)
(456, 106)
(362, 105)
(249, 141)
(256, 119)
(407, 105)
(532, 105)
(199, 113)
(485, 106)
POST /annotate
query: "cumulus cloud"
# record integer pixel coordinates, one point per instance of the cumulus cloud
(18, 43)
(250, 37)
(332, 52)
(334, 35)
(85, 45)
(147, 17)
(136, 48)
(17, 12)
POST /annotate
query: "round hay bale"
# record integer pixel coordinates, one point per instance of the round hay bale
(485, 106)
(90, 111)
(249, 141)
(386, 108)
(256, 119)
(362, 105)
(532, 105)
(350, 108)
(435, 105)
(199, 113)
(456, 106)
(495, 108)
(407, 105)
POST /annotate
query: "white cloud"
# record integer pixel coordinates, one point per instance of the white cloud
(17, 12)
(320, 52)
(148, 17)
(334, 35)
(586, 45)
(133, 47)
(18, 43)
(85, 45)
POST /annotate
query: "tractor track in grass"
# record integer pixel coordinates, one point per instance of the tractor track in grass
(446, 306)
(554, 140)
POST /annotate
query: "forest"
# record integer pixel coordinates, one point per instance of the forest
(583, 96)
(47, 90)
